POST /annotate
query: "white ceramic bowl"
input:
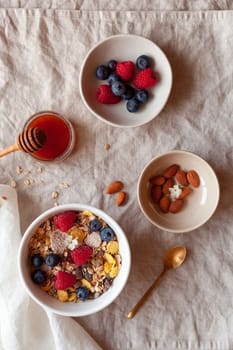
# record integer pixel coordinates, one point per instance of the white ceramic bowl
(68, 308)
(199, 205)
(125, 47)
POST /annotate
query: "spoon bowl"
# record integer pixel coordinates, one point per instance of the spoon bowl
(172, 260)
(174, 257)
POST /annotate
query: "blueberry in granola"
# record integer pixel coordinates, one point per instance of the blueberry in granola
(52, 259)
(107, 234)
(37, 260)
(39, 276)
(82, 293)
(95, 225)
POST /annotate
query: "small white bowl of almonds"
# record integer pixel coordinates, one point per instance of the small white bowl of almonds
(178, 191)
(74, 260)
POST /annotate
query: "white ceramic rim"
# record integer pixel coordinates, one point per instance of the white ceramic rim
(124, 271)
(81, 75)
(139, 189)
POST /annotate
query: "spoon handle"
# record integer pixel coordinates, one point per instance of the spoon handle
(10, 149)
(141, 301)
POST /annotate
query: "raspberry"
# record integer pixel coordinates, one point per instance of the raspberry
(125, 70)
(105, 95)
(64, 280)
(65, 221)
(81, 254)
(145, 79)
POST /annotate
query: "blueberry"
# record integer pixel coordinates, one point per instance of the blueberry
(132, 105)
(95, 225)
(129, 92)
(82, 293)
(102, 72)
(113, 77)
(37, 260)
(112, 65)
(142, 95)
(39, 276)
(143, 62)
(118, 88)
(52, 259)
(107, 234)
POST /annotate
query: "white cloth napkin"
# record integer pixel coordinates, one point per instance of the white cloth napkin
(23, 323)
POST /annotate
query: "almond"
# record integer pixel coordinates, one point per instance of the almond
(176, 206)
(120, 198)
(193, 178)
(185, 192)
(164, 204)
(168, 184)
(114, 187)
(181, 178)
(156, 192)
(171, 171)
(157, 180)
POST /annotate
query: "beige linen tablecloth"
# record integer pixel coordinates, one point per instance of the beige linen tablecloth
(41, 52)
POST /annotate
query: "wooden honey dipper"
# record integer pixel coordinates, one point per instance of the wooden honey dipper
(29, 141)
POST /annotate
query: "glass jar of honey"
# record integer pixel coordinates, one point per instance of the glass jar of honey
(59, 132)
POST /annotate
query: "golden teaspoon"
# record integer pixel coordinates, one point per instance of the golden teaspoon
(172, 259)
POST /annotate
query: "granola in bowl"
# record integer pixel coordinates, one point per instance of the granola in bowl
(74, 256)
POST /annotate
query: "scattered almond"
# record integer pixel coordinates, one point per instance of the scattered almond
(171, 171)
(156, 193)
(185, 192)
(193, 178)
(114, 187)
(181, 178)
(107, 146)
(120, 198)
(176, 206)
(168, 184)
(164, 204)
(157, 180)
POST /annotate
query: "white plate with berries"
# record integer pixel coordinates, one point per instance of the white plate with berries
(125, 80)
